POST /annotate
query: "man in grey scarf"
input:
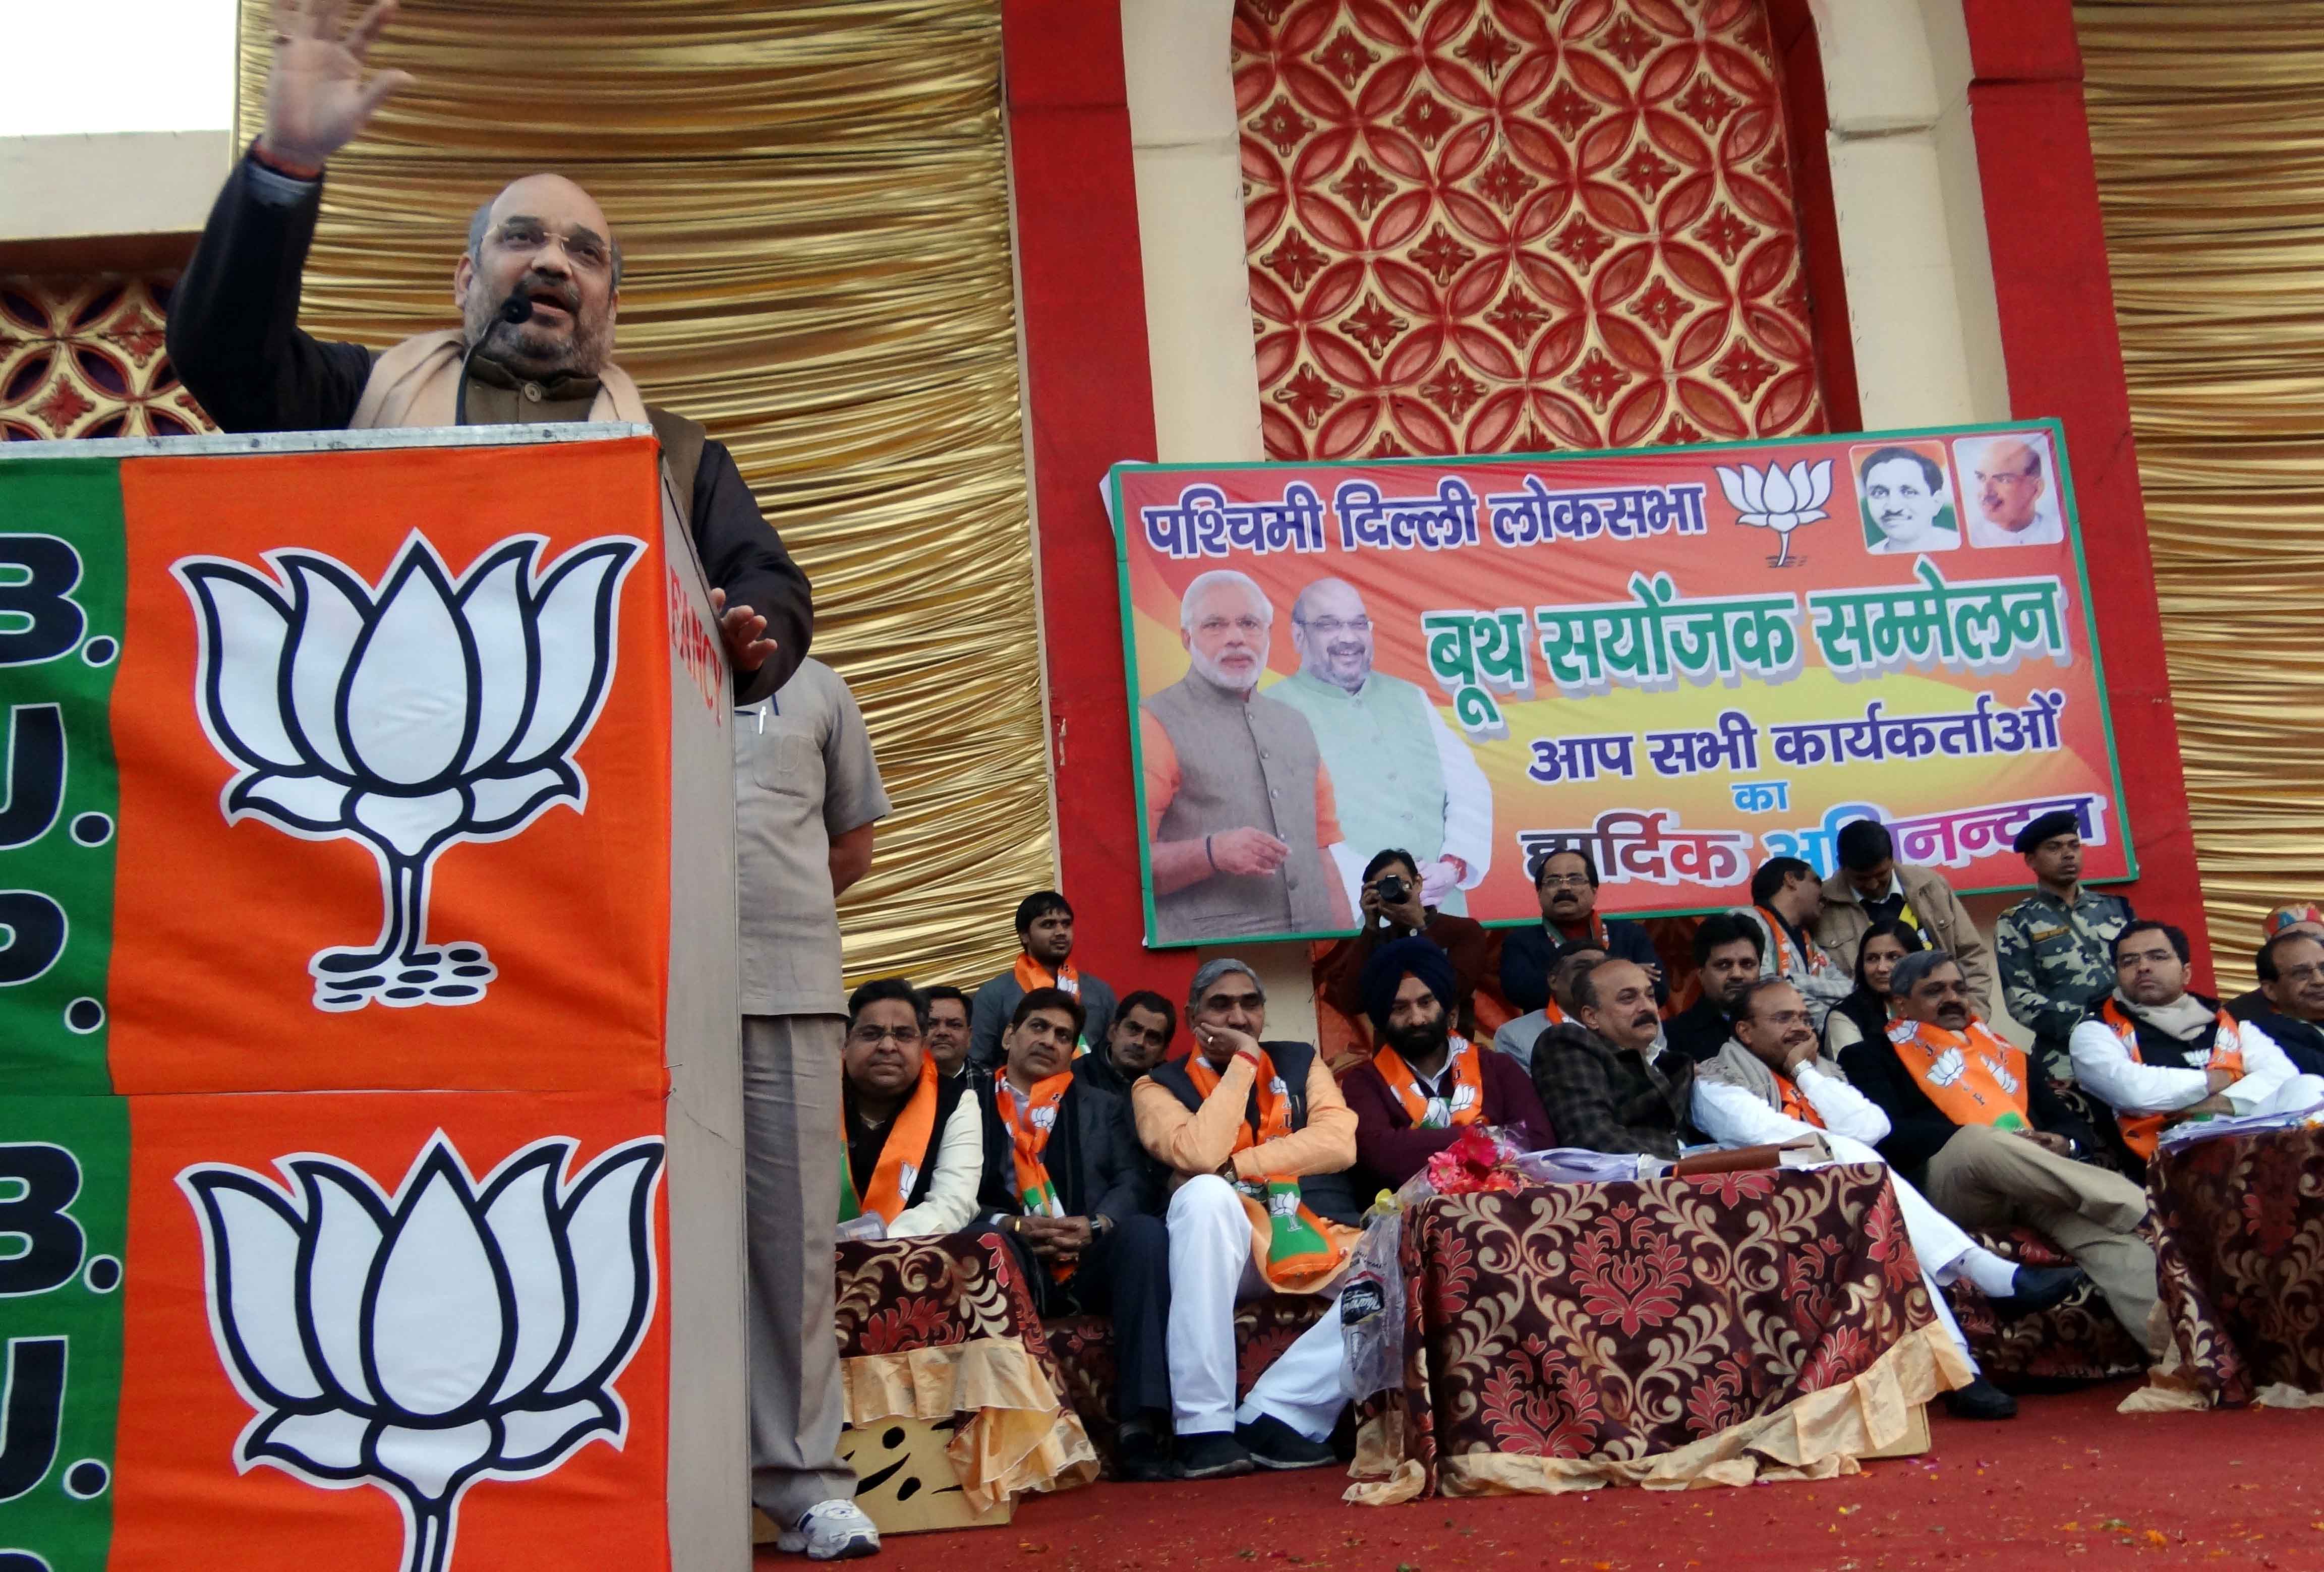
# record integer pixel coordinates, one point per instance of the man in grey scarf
(2157, 1054)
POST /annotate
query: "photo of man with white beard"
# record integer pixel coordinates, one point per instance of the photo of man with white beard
(1242, 828)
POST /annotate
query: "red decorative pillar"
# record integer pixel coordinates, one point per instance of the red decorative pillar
(1088, 403)
(2064, 358)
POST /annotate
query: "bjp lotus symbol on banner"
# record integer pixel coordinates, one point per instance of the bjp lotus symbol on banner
(408, 716)
(420, 1342)
(1777, 499)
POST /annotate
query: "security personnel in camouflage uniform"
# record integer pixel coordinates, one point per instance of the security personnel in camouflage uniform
(2055, 948)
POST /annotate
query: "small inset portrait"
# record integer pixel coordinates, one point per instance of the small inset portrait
(2012, 489)
(1904, 494)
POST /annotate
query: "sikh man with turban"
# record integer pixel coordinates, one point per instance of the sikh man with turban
(1426, 1085)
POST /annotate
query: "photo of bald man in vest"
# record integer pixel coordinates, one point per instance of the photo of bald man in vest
(1242, 827)
(1402, 779)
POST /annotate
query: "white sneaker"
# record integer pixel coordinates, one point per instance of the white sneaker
(831, 1530)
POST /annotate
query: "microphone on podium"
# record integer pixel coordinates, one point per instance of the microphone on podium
(516, 311)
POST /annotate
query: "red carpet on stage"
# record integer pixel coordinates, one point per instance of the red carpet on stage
(2067, 1479)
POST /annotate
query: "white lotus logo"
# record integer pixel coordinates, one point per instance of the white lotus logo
(408, 716)
(1779, 499)
(420, 1342)
(1948, 1067)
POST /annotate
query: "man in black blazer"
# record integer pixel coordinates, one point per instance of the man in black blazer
(1068, 1185)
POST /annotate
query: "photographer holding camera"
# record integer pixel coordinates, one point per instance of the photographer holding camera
(1390, 896)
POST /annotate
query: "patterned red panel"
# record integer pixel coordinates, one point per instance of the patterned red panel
(1497, 225)
(82, 356)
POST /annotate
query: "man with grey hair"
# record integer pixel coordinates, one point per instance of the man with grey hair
(1990, 1145)
(1242, 828)
(1259, 1146)
(538, 291)
(1404, 778)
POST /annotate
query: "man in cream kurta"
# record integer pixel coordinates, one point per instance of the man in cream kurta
(1216, 1249)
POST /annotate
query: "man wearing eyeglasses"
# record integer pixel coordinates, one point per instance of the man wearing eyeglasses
(1566, 882)
(1770, 1084)
(1402, 779)
(2290, 968)
(915, 1138)
(540, 251)
(2157, 1052)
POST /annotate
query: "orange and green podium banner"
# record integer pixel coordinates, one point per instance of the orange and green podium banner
(337, 1004)
(1679, 660)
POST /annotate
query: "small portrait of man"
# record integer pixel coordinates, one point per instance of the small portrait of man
(1907, 505)
(2012, 494)
(1242, 824)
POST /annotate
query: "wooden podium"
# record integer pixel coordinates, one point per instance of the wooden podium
(371, 1140)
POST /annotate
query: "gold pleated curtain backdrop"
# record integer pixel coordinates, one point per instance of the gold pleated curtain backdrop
(812, 204)
(2207, 120)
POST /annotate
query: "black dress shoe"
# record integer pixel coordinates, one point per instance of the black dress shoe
(1216, 1456)
(1980, 1400)
(1137, 1460)
(2039, 1287)
(1272, 1443)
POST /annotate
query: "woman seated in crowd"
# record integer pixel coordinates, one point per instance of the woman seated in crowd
(1866, 1014)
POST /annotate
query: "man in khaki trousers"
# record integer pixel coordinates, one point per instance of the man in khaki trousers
(807, 793)
(1975, 1126)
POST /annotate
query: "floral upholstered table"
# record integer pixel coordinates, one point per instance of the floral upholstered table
(1671, 1333)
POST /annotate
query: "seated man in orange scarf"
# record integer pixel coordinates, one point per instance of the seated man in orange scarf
(2156, 1053)
(1991, 1145)
(1045, 942)
(1424, 1086)
(1075, 1195)
(914, 1143)
(1260, 1147)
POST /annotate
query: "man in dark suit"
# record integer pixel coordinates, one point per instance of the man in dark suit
(1067, 1184)
(1566, 882)
(542, 246)
(2290, 968)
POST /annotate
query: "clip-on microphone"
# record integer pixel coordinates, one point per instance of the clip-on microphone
(516, 311)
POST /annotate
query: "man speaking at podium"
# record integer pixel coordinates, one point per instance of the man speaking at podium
(539, 288)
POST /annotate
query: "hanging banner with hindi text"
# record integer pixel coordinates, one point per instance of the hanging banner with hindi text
(1683, 661)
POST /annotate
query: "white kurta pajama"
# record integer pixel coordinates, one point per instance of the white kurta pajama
(1735, 1116)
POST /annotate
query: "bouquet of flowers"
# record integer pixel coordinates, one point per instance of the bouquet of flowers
(1483, 1159)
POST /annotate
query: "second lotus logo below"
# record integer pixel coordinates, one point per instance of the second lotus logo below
(410, 715)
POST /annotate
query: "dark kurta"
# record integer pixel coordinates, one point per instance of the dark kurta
(1390, 1149)
(236, 343)
(1525, 952)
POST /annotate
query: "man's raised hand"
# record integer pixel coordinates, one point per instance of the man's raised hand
(316, 98)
